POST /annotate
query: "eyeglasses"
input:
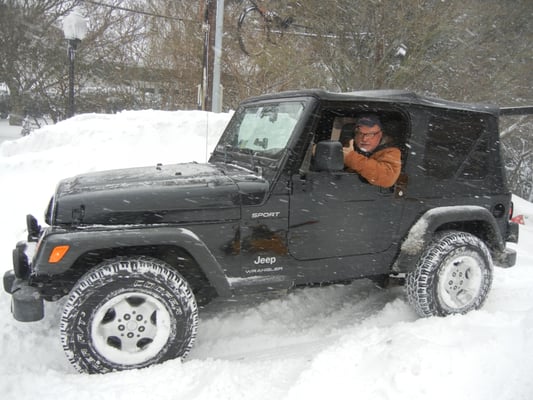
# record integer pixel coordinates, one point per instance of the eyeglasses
(369, 135)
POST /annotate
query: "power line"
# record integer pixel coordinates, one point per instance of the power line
(131, 10)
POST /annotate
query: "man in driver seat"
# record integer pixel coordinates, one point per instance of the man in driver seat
(373, 156)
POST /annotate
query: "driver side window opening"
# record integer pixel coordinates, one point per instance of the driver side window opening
(337, 123)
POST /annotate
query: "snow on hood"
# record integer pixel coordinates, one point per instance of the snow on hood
(158, 194)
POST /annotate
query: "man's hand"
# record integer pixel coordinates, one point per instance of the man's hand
(348, 149)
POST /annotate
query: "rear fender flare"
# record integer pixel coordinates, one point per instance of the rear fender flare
(423, 231)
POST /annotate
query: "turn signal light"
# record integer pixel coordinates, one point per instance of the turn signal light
(58, 253)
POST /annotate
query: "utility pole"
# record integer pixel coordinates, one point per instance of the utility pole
(208, 24)
(217, 87)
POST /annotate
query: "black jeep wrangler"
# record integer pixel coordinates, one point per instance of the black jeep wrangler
(136, 250)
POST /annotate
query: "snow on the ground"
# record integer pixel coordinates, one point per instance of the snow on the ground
(348, 342)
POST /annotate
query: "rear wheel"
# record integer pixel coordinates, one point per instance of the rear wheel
(128, 313)
(453, 275)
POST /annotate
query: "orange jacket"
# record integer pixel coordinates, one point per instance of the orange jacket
(381, 168)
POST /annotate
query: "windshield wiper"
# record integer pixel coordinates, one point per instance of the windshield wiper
(252, 159)
(230, 153)
(226, 148)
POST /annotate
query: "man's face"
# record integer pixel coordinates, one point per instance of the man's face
(367, 138)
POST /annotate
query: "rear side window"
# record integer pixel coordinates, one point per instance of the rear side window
(453, 143)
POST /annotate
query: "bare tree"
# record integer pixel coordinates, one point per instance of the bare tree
(111, 57)
(29, 52)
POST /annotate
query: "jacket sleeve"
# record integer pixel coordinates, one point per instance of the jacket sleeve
(381, 168)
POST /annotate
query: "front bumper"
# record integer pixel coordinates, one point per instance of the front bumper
(27, 305)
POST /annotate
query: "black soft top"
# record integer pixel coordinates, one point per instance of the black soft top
(386, 96)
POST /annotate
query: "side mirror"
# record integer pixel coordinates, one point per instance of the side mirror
(328, 156)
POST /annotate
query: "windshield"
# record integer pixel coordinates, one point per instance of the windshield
(262, 129)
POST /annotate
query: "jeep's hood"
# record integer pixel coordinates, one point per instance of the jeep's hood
(163, 194)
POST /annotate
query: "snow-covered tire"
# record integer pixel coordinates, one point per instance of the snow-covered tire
(128, 313)
(453, 276)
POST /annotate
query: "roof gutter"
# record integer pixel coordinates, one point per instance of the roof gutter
(522, 110)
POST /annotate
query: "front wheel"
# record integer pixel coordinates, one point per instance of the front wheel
(453, 276)
(128, 313)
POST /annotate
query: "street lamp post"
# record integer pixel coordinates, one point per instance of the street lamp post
(75, 29)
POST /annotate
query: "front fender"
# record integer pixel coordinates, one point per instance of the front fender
(422, 232)
(84, 241)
